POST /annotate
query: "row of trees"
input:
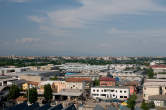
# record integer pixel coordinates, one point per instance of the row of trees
(32, 94)
(44, 61)
(131, 102)
(150, 72)
(147, 106)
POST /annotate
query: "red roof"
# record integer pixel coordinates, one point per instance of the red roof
(107, 79)
(158, 66)
(78, 79)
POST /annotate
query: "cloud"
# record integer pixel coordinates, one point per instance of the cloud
(137, 33)
(27, 40)
(37, 19)
(95, 10)
(19, 1)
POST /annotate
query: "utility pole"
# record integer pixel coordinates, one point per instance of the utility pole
(28, 95)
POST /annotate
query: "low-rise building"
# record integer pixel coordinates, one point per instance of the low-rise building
(132, 85)
(30, 84)
(121, 93)
(75, 85)
(87, 81)
(83, 75)
(158, 68)
(13, 70)
(60, 85)
(107, 81)
(128, 75)
(159, 100)
(154, 87)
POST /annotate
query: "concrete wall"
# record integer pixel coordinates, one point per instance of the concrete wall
(148, 91)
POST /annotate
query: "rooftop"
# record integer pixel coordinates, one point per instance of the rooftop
(119, 87)
(78, 80)
(158, 66)
(107, 79)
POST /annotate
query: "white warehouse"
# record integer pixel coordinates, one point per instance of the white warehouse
(121, 93)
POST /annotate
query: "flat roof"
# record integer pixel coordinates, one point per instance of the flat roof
(118, 87)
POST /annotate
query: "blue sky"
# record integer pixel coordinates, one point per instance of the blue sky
(83, 27)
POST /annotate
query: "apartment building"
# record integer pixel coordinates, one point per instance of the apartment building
(153, 87)
(121, 93)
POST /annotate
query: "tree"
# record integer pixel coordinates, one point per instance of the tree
(96, 82)
(14, 92)
(54, 78)
(131, 102)
(151, 105)
(144, 106)
(32, 95)
(147, 106)
(150, 72)
(47, 92)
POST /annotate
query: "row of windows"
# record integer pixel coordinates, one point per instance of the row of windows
(145, 88)
(105, 95)
(109, 90)
(123, 96)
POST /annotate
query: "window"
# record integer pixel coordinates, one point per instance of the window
(120, 91)
(165, 87)
(144, 95)
(103, 95)
(125, 96)
(124, 91)
(97, 90)
(121, 96)
(95, 94)
(104, 90)
(144, 88)
(112, 90)
(101, 90)
(93, 90)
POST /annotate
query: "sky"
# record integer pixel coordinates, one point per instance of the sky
(83, 27)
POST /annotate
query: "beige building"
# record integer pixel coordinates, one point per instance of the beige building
(153, 87)
(60, 85)
(42, 68)
(57, 86)
(75, 85)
